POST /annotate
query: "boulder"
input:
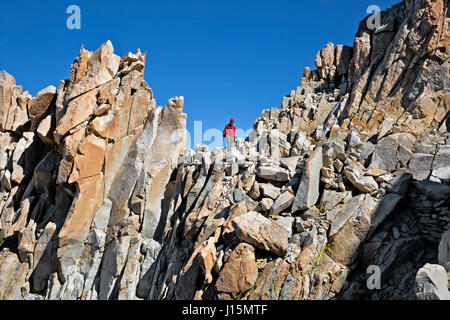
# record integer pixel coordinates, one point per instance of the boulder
(308, 191)
(400, 184)
(354, 173)
(239, 273)
(266, 204)
(349, 228)
(42, 102)
(286, 222)
(289, 163)
(323, 111)
(331, 199)
(268, 190)
(273, 174)
(431, 283)
(268, 287)
(420, 165)
(45, 129)
(283, 202)
(389, 151)
(254, 191)
(263, 233)
(232, 169)
(325, 57)
(339, 216)
(441, 167)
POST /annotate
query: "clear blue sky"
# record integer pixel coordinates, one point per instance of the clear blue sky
(227, 58)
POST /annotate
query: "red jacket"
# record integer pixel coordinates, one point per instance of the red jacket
(229, 131)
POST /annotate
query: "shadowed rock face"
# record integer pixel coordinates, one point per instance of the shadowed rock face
(100, 199)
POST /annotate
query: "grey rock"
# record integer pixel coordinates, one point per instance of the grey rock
(396, 233)
(431, 283)
(266, 204)
(434, 190)
(331, 199)
(262, 232)
(114, 260)
(420, 165)
(444, 249)
(308, 191)
(232, 169)
(273, 174)
(343, 55)
(101, 217)
(286, 222)
(238, 195)
(340, 215)
(274, 112)
(400, 184)
(283, 202)
(3, 157)
(43, 171)
(268, 190)
(289, 163)
(201, 148)
(384, 209)
(441, 165)
(356, 176)
(385, 154)
(354, 140)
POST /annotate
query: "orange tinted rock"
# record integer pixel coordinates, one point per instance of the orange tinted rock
(101, 67)
(13, 103)
(89, 159)
(78, 110)
(12, 276)
(239, 273)
(88, 200)
(68, 149)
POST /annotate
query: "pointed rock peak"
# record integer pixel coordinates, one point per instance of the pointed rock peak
(94, 69)
(176, 103)
(5, 76)
(325, 57)
(133, 62)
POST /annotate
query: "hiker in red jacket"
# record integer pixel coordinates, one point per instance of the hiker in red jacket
(230, 133)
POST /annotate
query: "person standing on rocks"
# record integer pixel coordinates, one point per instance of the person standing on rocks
(230, 133)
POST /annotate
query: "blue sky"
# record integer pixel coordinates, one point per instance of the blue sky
(227, 58)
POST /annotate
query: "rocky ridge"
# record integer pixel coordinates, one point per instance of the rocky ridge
(100, 200)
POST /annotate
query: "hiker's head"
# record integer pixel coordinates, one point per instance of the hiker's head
(231, 120)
